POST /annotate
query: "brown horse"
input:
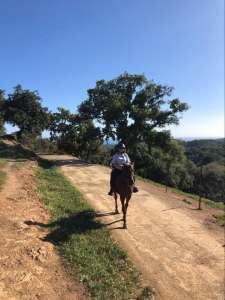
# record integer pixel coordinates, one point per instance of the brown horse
(124, 187)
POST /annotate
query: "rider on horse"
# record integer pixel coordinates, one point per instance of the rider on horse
(119, 159)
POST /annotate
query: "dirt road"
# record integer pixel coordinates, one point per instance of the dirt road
(178, 249)
(30, 268)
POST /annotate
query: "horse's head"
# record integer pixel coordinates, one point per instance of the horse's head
(128, 171)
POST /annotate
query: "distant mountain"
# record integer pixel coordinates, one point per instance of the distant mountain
(187, 139)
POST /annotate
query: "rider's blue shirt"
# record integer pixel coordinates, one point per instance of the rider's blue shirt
(120, 159)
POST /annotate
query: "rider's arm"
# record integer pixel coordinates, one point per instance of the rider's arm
(127, 158)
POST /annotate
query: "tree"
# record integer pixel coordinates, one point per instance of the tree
(179, 171)
(75, 135)
(210, 182)
(89, 139)
(2, 128)
(201, 158)
(130, 107)
(165, 163)
(214, 181)
(2, 101)
(23, 108)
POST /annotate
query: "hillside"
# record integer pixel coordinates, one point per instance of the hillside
(205, 151)
(167, 239)
(209, 158)
(58, 246)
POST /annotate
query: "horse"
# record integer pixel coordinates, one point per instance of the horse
(124, 184)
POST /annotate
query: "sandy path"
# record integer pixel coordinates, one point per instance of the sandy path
(29, 267)
(178, 249)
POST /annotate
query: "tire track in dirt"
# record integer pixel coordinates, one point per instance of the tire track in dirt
(178, 249)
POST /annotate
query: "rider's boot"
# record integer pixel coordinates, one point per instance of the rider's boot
(135, 189)
(110, 193)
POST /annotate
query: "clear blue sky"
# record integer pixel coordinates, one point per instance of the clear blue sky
(61, 47)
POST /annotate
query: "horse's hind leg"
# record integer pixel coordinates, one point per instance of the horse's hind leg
(116, 204)
(125, 205)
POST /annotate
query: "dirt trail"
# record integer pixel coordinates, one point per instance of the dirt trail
(29, 267)
(178, 249)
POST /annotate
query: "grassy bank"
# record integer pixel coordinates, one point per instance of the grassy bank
(220, 219)
(102, 266)
(210, 203)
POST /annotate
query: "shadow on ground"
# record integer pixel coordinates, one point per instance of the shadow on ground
(62, 229)
(79, 223)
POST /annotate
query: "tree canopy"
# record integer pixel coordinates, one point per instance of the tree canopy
(130, 107)
(73, 134)
(202, 152)
(2, 100)
(23, 108)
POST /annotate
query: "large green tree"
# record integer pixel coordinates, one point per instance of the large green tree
(130, 107)
(23, 108)
(75, 135)
(165, 163)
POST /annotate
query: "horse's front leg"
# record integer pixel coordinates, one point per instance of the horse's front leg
(125, 204)
(124, 212)
(116, 204)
